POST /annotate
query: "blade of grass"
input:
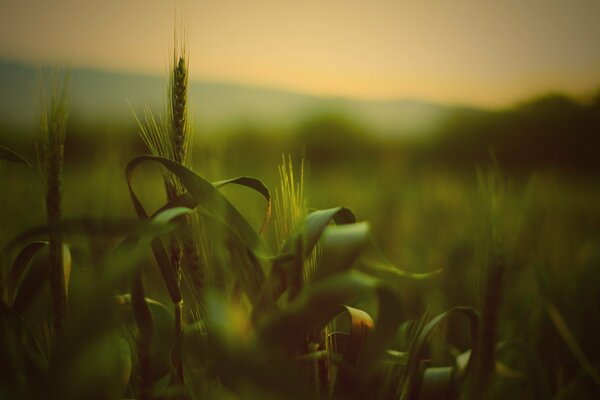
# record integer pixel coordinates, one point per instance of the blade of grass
(341, 246)
(361, 327)
(20, 264)
(12, 156)
(563, 329)
(310, 231)
(37, 275)
(256, 185)
(207, 196)
(411, 389)
(316, 305)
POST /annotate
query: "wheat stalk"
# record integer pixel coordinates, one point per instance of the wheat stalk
(171, 138)
(53, 130)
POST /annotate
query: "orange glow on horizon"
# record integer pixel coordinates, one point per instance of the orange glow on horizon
(468, 52)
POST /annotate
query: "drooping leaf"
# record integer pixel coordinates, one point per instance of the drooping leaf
(315, 223)
(361, 327)
(20, 264)
(207, 196)
(389, 317)
(438, 383)
(341, 246)
(525, 356)
(158, 223)
(22, 359)
(9, 155)
(315, 306)
(571, 342)
(187, 200)
(89, 227)
(162, 322)
(350, 344)
(387, 270)
(298, 246)
(412, 388)
(374, 262)
(35, 277)
(256, 185)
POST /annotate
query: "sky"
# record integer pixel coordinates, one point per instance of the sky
(462, 51)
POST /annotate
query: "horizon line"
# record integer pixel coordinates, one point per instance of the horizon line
(579, 97)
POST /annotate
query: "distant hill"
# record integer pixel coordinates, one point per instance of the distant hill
(108, 97)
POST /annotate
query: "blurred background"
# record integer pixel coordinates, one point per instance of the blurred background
(395, 106)
(380, 98)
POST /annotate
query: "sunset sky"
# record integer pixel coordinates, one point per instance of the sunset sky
(469, 51)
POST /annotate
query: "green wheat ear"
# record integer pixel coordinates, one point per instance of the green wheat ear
(178, 85)
(53, 123)
(291, 209)
(290, 204)
(171, 138)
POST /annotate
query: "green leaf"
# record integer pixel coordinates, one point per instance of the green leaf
(207, 196)
(256, 185)
(9, 155)
(168, 215)
(210, 199)
(187, 200)
(22, 359)
(160, 253)
(341, 246)
(523, 355)
(419, 346)
(159, 223)
(89, 227)
(389, 318)
(316, 305)
(141, 311)
(10, 319)
(438, 383)
(20, 264)
(299, 246)
(163, 322)
(392, 272)
(127, 255)
(374, 262)
(361, 327)
(571, 342)
(315, 223)
(35, 277)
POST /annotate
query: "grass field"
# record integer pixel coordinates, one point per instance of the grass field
(347, 268)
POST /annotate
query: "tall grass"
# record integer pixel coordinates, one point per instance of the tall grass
(172, 138)
(318, 312)
(53, 124)
(290, 206)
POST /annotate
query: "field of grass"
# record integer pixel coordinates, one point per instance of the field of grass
(327, 273)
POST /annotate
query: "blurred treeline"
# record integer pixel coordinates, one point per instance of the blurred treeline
(552, 132)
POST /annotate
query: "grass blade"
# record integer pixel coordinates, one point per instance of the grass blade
(20, 264)
(569, 339)
(411, 389)
(316, 305)
(9, 155)
(37, 275)
(341, 246)
(208, 197)
(256, 185)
